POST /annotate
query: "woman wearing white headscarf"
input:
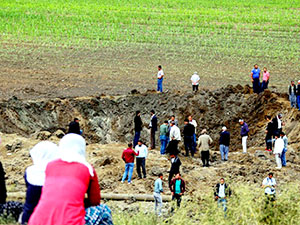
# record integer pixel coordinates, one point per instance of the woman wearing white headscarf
(41, 154)
(68, 179)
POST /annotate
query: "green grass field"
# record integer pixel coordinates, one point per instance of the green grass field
(230, 34)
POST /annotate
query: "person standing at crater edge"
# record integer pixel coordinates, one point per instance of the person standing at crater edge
(244, 134)
(138, 126)
(153, 129)
(160, 78)
(195, 81)
(255, 75)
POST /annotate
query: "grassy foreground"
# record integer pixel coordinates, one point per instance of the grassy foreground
(246, 206)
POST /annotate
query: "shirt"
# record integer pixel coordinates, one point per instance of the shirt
(204, 142)
(160, 73)
(266, 76)
(195, 79)
(175, 133)
(176, 122)
(177, 186)
(128, 155)
(193, 122)
(158, 188)
(164, 130)
(141, 150)
(279, 146)
(62, 199)
(221, 193)
(269, 182)
(256, 73)
(285, 141)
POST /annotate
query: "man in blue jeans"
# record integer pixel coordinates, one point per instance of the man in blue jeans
(128, 157)
(285, 141)
(224, 142)
(164, 129)
(255, 78)
(160, 78)
(222, 193)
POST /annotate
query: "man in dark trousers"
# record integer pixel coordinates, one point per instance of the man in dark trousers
(177, 188)
(153, 129)
(3, 194)
(138, 126)
(277, 124)
(74, 127)
(175, 167)
(188, 133)
(269, 134)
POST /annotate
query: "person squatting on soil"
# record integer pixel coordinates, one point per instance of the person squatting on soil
(142, 151)
(8, 208)
(158, 190)
(41, 154)
(153, 128)
(278, 148)
(269, 133)
(177, 188)
(138, 126)
(163, 130)
(67, 181)
(160, 78)
(285, 141)
(293, 94)
(244, 134)
(298, 95)
(269, 184)
(195, 81)
(128, 157)
(222, 193)
(203, 143)
(188, 134)
(175, 137)
(224, 142)
(175, 167)
(74, 127)
(193, 122)
(255, 75)
(266, 78)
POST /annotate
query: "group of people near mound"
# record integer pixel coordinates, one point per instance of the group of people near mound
(57, 184)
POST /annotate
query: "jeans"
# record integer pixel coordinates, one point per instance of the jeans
(223, 202)
(264, 84)
(195, 141)
(244, 143)
(256, 85)
(159, 84)
(283, 159)
(205, 158)
(128, 171)
(136, 138)
(224, 152)
(293, 99)
(278, 160)
(141, 162)
(298, 101)
(189, 145)
(152, 138)
(158, 203)
(164, 142)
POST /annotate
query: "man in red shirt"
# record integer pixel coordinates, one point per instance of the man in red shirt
(128, 157)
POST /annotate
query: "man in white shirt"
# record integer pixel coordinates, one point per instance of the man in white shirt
(160, 78)
(193, 122)
(141, 158)
(175, 137)
(222, 192)
(278, 148)
(195, 81)
(269, 184)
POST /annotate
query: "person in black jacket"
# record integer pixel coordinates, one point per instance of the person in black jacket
(153, 128)
(277, 124)
(138, 126)
(224, 142)
(175, 167)
(188, 133)
(177, 188)
(293, 94)
(74, 127)
(222, 192)
(3, 194)
(269, 133)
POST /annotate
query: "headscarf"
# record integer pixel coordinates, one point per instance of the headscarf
(41, 154)
(72, 149)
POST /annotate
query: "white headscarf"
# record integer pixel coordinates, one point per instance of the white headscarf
(41, 154)
(72, 149)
